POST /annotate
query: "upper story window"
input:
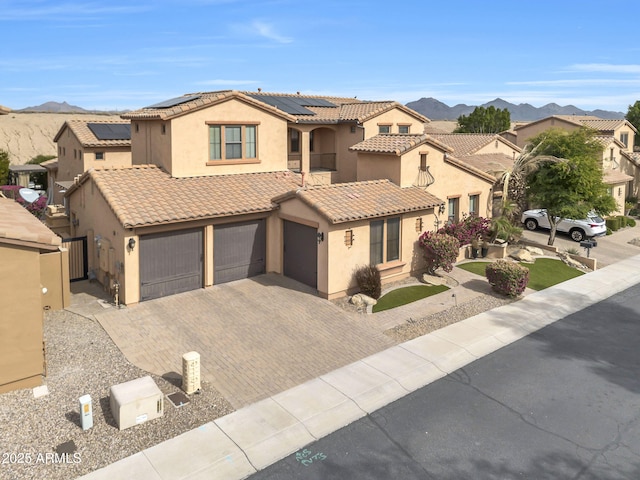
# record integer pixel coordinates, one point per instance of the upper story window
(99, 155)
(384, 128)
(232, 142)
(624, 138)
(403, 128)
(453, 209)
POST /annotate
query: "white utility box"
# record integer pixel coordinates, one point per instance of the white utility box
(191, 372)
(135, 402)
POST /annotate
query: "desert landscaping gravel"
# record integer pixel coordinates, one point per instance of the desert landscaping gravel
(82, 359)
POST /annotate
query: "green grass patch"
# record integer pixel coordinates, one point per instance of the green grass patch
(404, 295)
(545, 272)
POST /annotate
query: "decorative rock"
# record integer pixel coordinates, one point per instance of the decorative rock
(433, 280)
(570, 261)
(522, 255)
(534, 250)
(360, 299)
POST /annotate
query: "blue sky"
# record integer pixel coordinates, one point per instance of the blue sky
(123, 54)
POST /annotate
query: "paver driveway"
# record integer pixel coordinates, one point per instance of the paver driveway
(256, 337)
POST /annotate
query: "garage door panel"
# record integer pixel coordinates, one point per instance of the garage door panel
(170, 262)
(301, 253)
(239, 250)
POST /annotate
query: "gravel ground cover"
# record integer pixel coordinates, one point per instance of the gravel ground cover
(82, 359)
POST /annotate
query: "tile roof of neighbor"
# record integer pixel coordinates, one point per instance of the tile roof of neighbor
(346, 109)
(4, 110)
(611, 177)
(464, 144)
(492, 163)
(400, 143)
(87, 138)
(348, 202)
(396, 143)
(17, 225)
(600, 124)
(145, 195)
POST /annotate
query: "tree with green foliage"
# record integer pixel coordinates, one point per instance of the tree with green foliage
(4, 167)
(571, 185)
(484, 120)
(633, 116)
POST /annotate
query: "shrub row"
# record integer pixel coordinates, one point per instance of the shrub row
(619, 221)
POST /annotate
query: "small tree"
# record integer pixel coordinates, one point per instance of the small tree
(484, 120)
(633, 116)
(440, 251)
(4, 167)
(572, 186)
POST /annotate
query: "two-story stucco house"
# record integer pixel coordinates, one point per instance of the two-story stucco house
(227, 185)
(85, 144)
(621, 167)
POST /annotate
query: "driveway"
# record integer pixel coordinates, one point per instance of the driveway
(256, 337)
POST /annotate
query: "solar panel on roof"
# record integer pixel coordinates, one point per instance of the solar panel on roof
(293, 104)
(172, 102)
(111, 131)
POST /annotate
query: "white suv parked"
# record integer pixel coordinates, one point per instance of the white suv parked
(592, 226)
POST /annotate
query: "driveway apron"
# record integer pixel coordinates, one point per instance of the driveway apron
(256, 337)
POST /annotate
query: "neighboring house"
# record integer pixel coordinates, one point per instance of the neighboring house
(34, 276)
(22, 175)
(424, 162)
(85, 144)
(4, 110)
(621, 168)
(228, 185)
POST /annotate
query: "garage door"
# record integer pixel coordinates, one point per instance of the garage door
(170, 263)
(301, 253)
(239, 250)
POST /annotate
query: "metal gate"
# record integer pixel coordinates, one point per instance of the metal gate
(78, 264)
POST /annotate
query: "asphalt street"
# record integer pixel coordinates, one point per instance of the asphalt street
(562, 403)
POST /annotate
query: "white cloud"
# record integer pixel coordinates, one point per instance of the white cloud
(605, 67)
(587, 82)
(267, 31)
(30, 10)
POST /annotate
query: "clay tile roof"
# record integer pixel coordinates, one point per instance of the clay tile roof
(396, 143)
(87, 138)
(492, 163)
(146, 195)
(346, 109)
(612, 177)
(465, 143)
(17, 225)
(348, 202)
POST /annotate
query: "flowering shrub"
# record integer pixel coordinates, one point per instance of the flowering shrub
(469, 228)
(440, 250)
(37, 208)
(507, 278)
(369, 281)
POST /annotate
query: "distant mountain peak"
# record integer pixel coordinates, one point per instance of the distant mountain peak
(436, 110)
(54, 107)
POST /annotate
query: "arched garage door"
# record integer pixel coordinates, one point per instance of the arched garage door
(239, 250)
(170, 262)
(301, 253)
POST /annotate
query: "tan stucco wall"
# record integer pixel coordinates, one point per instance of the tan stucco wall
(531, 130)
(394, 117)
(619, 194)
(337, 262)
(450, 181)
(347, 160)
(97, 221)
(21, 332)
(184, 149)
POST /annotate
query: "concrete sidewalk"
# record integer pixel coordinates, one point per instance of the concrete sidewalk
(250, 439)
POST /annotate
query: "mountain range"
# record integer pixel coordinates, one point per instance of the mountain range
(429, 107)
(523, 112)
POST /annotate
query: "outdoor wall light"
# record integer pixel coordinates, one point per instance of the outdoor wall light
(419, 224)
(441, 209)
(132, 243)
(348, 238)
(320, 237)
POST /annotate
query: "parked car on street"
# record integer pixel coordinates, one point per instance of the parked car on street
(578, 230)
